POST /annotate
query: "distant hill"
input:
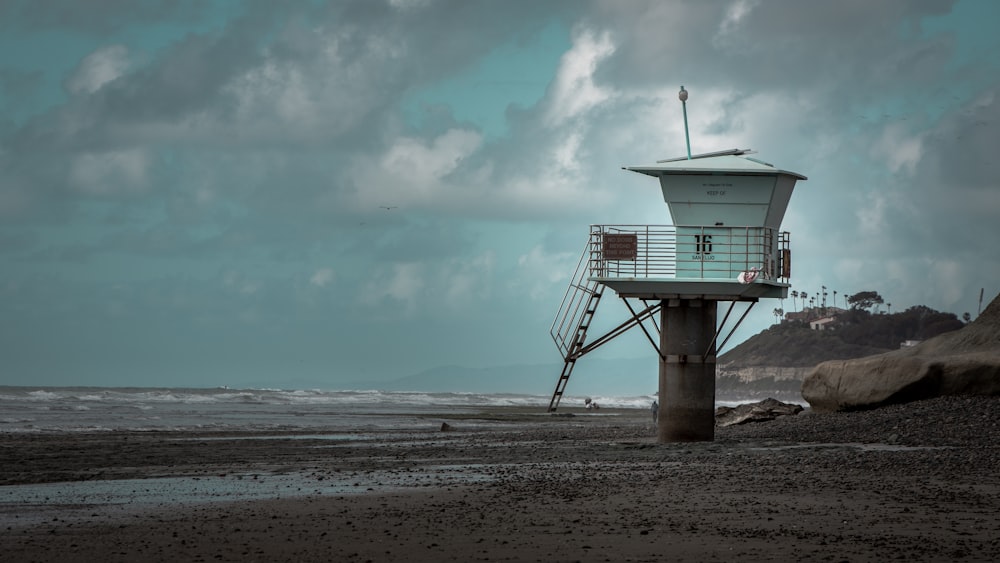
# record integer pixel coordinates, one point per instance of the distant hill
(853, 334)
(778, 358)
(794, 344)
(961, 362)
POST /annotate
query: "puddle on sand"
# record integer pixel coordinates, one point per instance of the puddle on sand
(352, 437)
(854, 445)
(78, 501)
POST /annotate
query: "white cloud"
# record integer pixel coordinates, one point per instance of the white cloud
(901, 149)
(14, 197)
(409, 4)
(914, 280)
(424, 164)
(99, 68)
(469, 280)
(871, 215)
(735, 15)
(240, 283)
(414, 172)
(274, 88)
(322, 277)
(574, 91)
(110, 173)
(543, 275)
(849, 268)
(400, 283)
(949, 280)
(566, 153)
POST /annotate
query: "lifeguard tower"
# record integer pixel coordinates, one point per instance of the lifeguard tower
(725, 246)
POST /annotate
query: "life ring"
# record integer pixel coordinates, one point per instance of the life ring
(748, 277)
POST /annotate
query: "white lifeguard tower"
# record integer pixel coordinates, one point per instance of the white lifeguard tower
(724, 246)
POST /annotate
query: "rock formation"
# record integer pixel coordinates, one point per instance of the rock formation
(768, 409)
(749, 374)
(966, 361)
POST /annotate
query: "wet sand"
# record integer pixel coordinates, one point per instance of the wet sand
(916, 482)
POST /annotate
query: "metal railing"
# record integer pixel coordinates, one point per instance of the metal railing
(573, 309)
(664, 252)
(687, 252)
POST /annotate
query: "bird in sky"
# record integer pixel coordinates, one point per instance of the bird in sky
(388, 207)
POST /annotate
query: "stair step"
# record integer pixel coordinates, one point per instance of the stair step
(570, 343)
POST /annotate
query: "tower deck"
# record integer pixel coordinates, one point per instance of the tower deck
(716, 263)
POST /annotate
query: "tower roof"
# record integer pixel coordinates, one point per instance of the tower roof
(734, 162)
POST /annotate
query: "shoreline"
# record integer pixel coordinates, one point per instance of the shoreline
(914, 481)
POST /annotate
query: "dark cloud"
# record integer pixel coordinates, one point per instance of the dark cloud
(17, 86)
(955, 181)
(16, 243)
(844, 53)
(98, 17)
(227, 187)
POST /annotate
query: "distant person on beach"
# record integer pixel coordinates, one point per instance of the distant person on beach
(591, 405)
(656, 410)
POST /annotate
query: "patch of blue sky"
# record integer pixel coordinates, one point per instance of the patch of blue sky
(88, 251)
(516, 73)
(56, 53)
(150, 38)
(52, 54)
(510, 241)
(972, 24)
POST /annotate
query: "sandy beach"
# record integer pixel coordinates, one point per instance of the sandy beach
(915, 482)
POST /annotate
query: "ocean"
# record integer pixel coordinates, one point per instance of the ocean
(337, 417)
(92, 409)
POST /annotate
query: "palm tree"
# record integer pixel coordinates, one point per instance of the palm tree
(889, 307)
(803, 295)
(835, 299)
(795, 295)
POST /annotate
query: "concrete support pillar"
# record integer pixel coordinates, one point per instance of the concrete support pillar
(687, 373)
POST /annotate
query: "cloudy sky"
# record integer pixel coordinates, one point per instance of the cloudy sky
(195, 193)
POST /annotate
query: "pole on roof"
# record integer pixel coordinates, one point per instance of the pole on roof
(683, 95)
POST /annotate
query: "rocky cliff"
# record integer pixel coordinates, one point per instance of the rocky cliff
(775, 361)
(749, 374)
(966, 361)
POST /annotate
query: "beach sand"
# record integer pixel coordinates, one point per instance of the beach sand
(915, 482)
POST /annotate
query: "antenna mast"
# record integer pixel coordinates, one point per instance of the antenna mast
(683, 95)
